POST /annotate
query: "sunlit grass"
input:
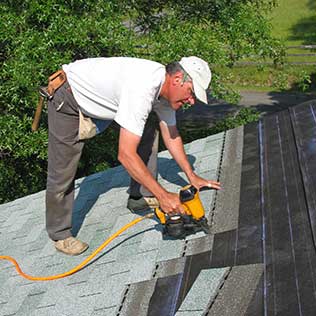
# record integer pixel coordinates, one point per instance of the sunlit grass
(294, 23)
(266, 78)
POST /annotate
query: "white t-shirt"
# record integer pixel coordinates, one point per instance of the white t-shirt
(121, 88)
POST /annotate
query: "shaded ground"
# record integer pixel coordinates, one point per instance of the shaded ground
(264, 102)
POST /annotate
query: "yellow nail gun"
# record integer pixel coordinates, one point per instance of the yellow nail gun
(178, 226)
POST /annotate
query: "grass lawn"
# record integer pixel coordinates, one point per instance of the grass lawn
(266, 78)
(294, 22)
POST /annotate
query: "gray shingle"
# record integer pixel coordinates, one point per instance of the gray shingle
(142, 266)
(209, 162)
(170, 249)
(226, 211)
(134, 258)
(106, 311)
(198, 245)
(151, 240)
(32, 299)
(14, 295)
(197, 145)
(237, 291)
(169, 267)
(49, 310)
(112, 291)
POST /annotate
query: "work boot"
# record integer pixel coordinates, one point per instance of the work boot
(141, 204)
(71, 246)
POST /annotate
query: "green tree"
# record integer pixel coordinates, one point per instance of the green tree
(39, 36)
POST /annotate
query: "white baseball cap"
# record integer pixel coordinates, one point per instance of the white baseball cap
(200, 74)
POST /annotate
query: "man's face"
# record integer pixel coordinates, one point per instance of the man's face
(181, 92)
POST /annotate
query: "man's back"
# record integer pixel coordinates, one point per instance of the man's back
(100, 85)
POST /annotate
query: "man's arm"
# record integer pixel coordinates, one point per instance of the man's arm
(174, 144)
(127, 155)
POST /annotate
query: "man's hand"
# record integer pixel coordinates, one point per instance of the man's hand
(199, 182)
(171, 204)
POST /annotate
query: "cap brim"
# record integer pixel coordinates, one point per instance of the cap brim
(200, 93)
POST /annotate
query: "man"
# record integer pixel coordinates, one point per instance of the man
(132, 92)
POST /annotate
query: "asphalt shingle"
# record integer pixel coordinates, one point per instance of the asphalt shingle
(237, 291)
(204, 290)
(118, 275)
(225, 217)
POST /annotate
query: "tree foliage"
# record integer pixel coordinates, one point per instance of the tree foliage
(39, 36)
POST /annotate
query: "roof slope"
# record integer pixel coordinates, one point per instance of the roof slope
(137, 255)
(258, 260)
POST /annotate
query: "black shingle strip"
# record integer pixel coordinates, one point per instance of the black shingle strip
(165, 296)
(224, 249)
(249, 242)
(77, 283)
(33, 250)
(46, 306)
(26, 283)
(19, 237)
(303, 247)
(90, 294)
(255, 306)
(277, 236)
(170, 291)
(98, 264)
(288, 284)
(37, 293)
(54, 265)
(104, 308)
(303, 119)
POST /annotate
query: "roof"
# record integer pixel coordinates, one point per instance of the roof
(259, 258)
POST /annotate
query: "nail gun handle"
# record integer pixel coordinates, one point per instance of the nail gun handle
(161, 215)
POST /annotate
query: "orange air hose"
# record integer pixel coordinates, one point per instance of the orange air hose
(82, 264)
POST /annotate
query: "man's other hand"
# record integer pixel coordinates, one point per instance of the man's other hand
(199, 182)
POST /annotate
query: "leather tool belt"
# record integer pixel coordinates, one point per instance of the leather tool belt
(87, 129)
(55, 81)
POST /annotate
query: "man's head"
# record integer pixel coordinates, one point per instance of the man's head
(185, 81)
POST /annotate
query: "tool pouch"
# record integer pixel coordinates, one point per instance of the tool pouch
(55, 81)
(87, 129)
